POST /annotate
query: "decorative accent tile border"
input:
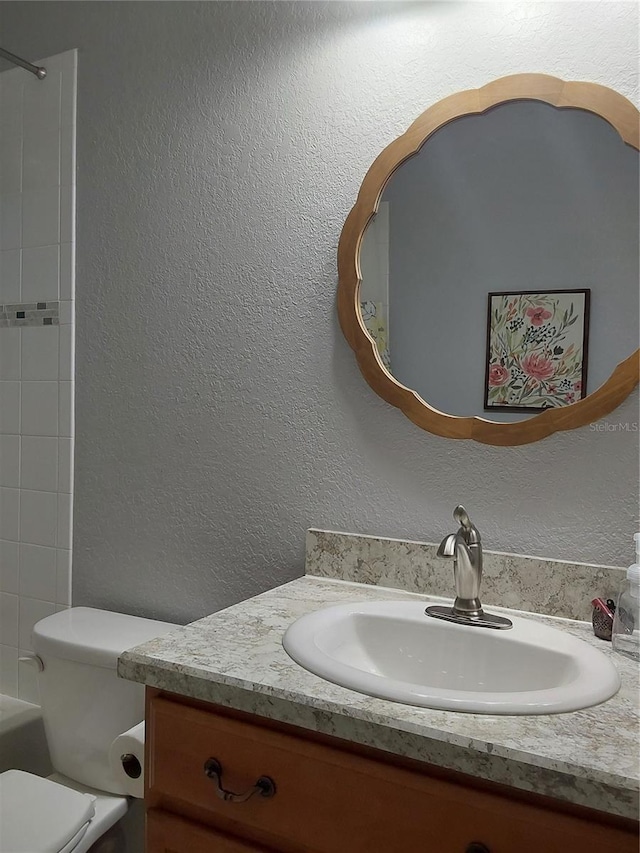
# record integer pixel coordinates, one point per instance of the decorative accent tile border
(30, 314)
(533, 584)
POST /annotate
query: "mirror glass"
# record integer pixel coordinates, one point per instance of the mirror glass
(524, 197)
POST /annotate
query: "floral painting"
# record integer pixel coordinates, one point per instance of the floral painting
(536, 349)
(373, 314)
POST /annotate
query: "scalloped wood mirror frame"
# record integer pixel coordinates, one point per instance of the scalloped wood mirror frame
(605, 102)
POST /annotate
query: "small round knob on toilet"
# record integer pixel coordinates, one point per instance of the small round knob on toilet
(32, 660)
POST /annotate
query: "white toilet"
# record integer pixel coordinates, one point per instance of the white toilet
(84, 707)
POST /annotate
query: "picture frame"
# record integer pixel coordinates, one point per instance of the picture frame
(537, 349)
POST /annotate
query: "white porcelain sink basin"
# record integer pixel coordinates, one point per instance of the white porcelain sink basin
(392, 650)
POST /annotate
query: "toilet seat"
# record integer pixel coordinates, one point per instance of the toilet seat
(77, 838)
(41, 816)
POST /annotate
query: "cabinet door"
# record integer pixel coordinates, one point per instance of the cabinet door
(330, 801)
(167, 833)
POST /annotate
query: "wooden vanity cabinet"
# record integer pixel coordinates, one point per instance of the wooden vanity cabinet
(333, 797)
(167, 833)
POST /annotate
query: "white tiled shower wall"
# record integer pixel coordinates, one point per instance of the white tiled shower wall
(37, 233)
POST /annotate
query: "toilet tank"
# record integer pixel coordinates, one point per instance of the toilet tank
(84, 703)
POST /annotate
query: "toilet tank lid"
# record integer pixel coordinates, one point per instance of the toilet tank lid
(92, 636)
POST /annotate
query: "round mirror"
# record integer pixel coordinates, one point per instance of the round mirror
(489, 270)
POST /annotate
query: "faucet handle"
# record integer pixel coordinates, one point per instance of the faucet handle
(462, 517)
(470, 531)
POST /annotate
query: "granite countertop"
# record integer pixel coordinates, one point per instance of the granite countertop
(235, 658)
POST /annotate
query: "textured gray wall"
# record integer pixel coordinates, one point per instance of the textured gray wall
(524, 197)
(219, 410)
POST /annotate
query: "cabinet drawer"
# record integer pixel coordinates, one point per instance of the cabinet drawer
(332, 801)
(167, 833)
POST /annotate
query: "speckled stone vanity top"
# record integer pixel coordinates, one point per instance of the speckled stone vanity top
(235, 658)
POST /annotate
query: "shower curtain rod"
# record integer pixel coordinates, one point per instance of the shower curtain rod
(38, 70)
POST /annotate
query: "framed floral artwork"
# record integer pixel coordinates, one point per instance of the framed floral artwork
(374, 316)
(536, 349)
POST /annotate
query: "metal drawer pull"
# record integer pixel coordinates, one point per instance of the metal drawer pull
(477, 847)
(265, 786)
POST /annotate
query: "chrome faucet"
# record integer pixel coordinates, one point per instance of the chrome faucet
(465, 547)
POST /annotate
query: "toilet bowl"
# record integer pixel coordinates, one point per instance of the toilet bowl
(84, 707)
